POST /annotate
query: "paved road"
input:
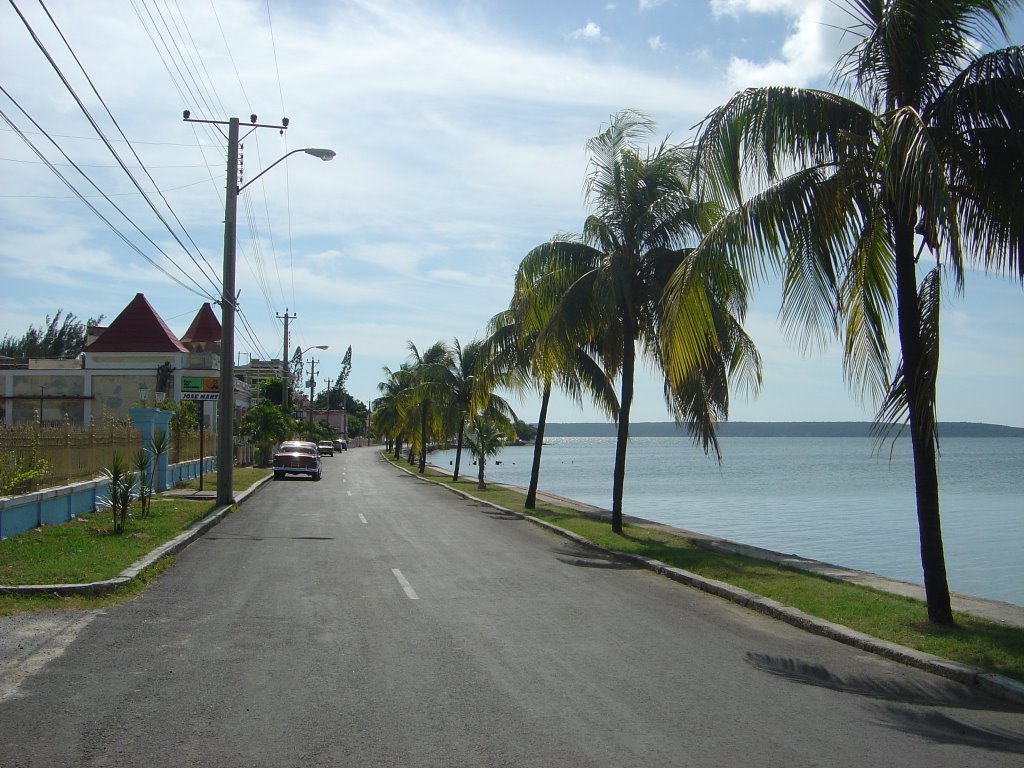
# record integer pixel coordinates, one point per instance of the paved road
(375, 620)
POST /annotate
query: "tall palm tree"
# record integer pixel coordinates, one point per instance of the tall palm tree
(389, 417)
(467, 388)
(425, 393)
(610, 284)
(922, 151)
(516, 349)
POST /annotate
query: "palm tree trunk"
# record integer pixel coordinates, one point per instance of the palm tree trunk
(423, 436)
(538, 446)
(622, 436)
(922, 430)
(480, 484)
(458, 449)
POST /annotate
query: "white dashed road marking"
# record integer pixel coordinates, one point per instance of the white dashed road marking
(406, 586)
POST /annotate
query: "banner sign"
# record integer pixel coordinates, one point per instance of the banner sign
(200, 395)
(200, 384)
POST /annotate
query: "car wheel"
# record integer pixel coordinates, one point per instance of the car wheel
(317, 476)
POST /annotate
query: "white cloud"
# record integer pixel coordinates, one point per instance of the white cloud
(590, 31)
(809, 51)
(655, 43)
(646, 5)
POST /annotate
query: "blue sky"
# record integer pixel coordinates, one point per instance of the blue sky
(460, 132)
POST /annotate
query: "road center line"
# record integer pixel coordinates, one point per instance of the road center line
(362, 519)
(406, 586)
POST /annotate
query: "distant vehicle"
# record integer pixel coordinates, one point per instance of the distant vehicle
(340, 445)
(325, 447)
(297, 457)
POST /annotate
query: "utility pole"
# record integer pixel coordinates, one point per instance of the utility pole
(328, 402)
(312, 386)
(285, 373)
(226, 410)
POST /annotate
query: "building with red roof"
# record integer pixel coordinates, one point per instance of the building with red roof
(136, 358)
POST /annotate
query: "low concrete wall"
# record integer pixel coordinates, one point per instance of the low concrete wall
(54, 506)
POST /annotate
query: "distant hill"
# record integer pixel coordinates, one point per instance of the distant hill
(774, 429)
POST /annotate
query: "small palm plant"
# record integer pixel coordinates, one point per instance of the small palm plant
(121, 492)
(143, 463)
(483, 442)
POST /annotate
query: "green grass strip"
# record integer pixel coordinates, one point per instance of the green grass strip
(84, 550)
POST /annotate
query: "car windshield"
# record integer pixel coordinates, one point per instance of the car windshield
(293, 448)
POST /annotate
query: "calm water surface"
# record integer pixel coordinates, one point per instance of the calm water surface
(840, 500)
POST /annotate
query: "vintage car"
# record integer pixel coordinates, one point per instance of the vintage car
(340, 445)
(297, 457)
(325, 447)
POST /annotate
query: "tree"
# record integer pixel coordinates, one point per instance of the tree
(55, 339)
(425, 393)
(390, 416)
(466, 387)
(267, 424)
(271, 389)
(484, 441)
(610, 284)
(922, 151)
(525, 358)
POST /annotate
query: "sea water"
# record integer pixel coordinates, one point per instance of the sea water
(846, 501)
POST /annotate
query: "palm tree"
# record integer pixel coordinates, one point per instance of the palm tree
(467, 388)
(515, 349)
(923, 151)
(267, 424)
(484, 441)
(425, 393)
(389, 419)
(610, 283)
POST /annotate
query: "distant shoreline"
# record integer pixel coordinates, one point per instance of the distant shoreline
(774, 429)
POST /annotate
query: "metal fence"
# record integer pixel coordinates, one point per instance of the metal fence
(62, 452)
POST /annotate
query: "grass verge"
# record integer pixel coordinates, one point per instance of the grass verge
(981, 644)
(241, 478)
(84, 550)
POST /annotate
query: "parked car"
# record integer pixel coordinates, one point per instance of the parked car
(297, 457)
(325, 447)
(340, 445)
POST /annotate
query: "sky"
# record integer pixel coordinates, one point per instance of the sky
(460, 132)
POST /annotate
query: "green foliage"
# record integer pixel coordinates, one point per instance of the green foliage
(267, 424)
(485, 441)
(20, 474)
(120, 492)
(55, 339)
(143, 467)
(271, 389)
(525, 432)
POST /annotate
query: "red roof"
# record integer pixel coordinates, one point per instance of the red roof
(137, 329)
(205, 327)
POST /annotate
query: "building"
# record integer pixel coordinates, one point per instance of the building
(137, 358)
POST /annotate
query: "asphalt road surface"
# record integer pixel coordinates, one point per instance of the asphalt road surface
(372, 619)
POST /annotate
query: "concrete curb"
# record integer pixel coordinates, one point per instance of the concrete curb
(134, 570)
(996, 685)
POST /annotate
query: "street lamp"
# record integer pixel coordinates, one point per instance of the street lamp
(226, 416)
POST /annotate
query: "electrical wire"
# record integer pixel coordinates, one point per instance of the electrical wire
(99, 215)
(99, 131)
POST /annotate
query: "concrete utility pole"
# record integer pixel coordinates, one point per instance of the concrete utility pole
(285, 373)
(328, 403)
(312, 386)
(226, 409)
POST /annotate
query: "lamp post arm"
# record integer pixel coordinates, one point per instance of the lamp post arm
(323, 154)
